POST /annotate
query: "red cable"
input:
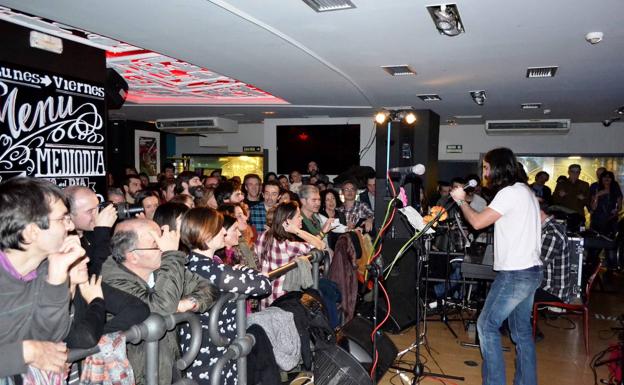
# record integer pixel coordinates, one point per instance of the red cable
(383, 289)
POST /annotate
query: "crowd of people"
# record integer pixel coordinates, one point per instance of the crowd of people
(75, 272)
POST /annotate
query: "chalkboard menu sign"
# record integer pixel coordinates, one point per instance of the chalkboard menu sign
(51, 126)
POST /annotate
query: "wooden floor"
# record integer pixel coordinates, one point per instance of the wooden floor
(561, 355)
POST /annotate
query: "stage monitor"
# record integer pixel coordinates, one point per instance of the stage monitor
(334, 147)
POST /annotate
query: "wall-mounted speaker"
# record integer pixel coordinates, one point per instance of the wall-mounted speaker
(116, 89)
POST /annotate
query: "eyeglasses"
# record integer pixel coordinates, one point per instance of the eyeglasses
(66, 219)
(145, 248)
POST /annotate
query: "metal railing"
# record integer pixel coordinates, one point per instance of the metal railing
(151, 331)
(241, 346)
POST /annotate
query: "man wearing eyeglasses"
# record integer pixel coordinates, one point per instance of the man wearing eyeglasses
(358, 214)
(35, 255)
(92, 225)
(147, 264)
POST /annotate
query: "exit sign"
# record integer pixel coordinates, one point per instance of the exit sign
(454, 148)
(252, 149)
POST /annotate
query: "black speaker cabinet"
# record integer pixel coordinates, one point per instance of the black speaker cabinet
(116, 89)
(335, 366)
(355, 338)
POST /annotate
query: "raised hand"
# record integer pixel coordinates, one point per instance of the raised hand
(60, 262)
(169, 240)
(106, 217)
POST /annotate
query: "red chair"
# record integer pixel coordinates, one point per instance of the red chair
(573, 309)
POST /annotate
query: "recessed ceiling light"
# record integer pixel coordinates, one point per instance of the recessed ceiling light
(541, 72)
(329, 5)
(269, 112)
(430, 97)
(399, 70)
(531, 106)
(451, 122)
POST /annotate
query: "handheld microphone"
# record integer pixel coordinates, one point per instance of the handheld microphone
(471, 184)
(417, 169)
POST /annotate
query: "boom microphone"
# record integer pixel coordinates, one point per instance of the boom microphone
(417, 169)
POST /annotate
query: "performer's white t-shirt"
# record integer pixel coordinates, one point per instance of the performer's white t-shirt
(517, 233)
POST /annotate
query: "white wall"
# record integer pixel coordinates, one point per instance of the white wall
(247, 135)
(583, 138)
(366, 127)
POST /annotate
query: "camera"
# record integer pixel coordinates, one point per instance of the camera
(124, 210)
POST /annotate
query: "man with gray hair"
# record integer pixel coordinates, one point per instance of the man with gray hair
(92, 225)
(147, 264)
(310, 206)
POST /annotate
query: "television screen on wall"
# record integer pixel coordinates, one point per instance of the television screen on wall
(334, 147)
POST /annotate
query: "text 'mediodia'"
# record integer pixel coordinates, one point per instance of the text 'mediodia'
(51, 127)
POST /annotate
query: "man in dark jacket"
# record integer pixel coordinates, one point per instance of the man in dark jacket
(92, 225)
(35, 254)
(148, 265)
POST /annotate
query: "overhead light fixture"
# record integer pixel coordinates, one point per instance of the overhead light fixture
(531, 106)
(430, 97)
(446, 19)
(399, 70)
(329, 5)
(406, 116)
(478, 97)
(541, 72)
(620, 111)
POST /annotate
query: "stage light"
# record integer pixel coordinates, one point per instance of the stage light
(409, 118)
(381, 117)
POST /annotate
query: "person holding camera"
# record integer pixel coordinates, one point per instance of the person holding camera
(92, 225)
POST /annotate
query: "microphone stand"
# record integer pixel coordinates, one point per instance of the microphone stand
(418, 369)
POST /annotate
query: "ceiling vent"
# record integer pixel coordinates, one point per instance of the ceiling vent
(399, 70)
(531, 106)
(430, 97)
(329, 5)
(537, 126)
(197, 125)
(541, 72)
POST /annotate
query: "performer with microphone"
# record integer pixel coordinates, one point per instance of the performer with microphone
(514, 211)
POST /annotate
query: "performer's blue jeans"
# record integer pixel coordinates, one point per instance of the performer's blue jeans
(510, 297)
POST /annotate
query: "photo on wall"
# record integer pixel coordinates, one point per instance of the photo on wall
(147, 153)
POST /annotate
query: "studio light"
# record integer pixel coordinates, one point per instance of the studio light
(478, 97)
(446, 19)
(410, 118)
(381, 117)
(406, 116)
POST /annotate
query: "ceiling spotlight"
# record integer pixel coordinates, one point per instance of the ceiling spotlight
(381, 117)
(478, 97)
(620, 111)
(409, 118)
(446, 19)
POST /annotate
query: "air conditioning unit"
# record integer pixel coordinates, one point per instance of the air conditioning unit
(197, 125)
(532, 126)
